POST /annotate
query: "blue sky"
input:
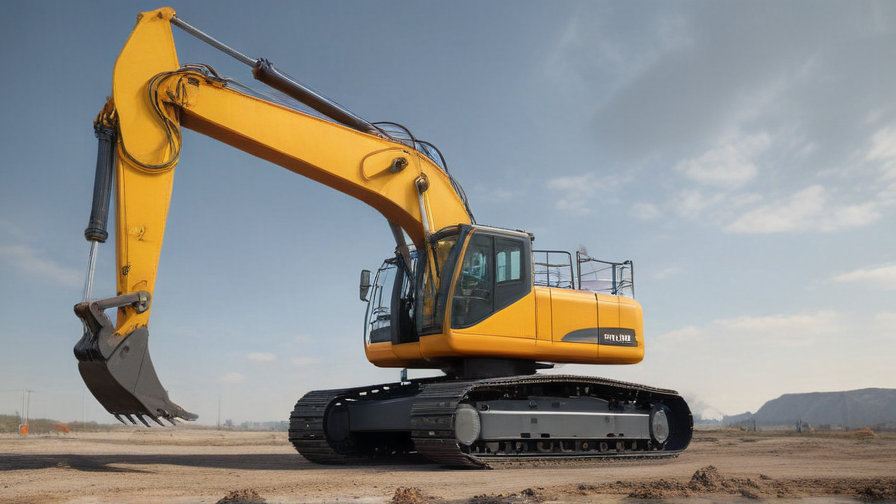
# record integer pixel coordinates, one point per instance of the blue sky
(742, 154)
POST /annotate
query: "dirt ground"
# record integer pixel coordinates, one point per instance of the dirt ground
(190, 465)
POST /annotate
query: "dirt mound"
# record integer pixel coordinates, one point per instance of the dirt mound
(527, 496)
(661, 489)
(706, 480)
(865, 433)
(412, 495)
(880, 490)
(242, 496)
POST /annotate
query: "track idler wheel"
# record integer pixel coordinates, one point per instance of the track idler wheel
(659, 425)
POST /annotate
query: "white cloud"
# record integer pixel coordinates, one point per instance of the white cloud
(690, 203)
(304, 339)
(882, 154)
(883, 277)
(804, 211)
(29, 261)
(502, 195)
(304, 361)
(666, 273)
(594, 52)
(884, 325)
(646, 211)
(688, 333)
(233, 378)
(883, 150)
(575, 184)
(576, 193)
(261, 357)
(771, 331)
(730, 165)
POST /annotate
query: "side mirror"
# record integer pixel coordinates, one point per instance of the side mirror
(365, 284)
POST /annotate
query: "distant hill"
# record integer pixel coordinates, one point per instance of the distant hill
(872, 407)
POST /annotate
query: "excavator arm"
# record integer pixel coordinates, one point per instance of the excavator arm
(140, 143)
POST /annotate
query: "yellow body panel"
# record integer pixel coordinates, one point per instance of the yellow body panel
(571, 311)
(508, 333)
(383, 355)
(630, 316)
(544, 319)
(142, 196)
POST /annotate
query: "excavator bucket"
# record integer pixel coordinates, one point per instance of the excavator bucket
(118, 370)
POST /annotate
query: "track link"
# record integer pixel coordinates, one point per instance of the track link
(432, 423)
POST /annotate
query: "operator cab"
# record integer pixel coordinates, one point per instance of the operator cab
(406, 302)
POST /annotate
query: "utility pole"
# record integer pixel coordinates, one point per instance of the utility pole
(26, 405)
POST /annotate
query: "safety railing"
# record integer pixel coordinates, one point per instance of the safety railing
(554, 268)
(615, 278)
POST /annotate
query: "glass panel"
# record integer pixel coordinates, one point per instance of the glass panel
(501, 266)
(441, 250)
(379, 308)
(473, 293)
(507, 260)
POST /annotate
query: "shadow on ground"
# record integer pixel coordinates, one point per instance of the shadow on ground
(114, 463)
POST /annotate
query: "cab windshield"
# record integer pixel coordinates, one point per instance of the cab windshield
(436, 280)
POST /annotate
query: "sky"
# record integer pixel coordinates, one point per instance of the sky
(741, 154)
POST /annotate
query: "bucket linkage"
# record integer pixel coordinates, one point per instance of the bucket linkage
(118, 370)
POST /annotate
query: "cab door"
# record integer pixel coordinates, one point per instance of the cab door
(492, 298)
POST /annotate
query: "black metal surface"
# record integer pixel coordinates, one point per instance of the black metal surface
(265, 72)
(476, 368)
(322, 439)
(118, 370)
(327, 439)
(102, 184)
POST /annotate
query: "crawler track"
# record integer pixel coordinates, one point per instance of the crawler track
(306, 428)
(431, 428)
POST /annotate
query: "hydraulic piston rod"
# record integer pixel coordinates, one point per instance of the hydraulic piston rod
(264, 71)
(102, 194)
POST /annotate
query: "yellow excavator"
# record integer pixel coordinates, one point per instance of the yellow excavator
(476, 302)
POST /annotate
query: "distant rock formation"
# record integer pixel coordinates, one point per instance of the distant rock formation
(854, 409)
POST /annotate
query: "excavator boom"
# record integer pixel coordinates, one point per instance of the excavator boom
(140, 143)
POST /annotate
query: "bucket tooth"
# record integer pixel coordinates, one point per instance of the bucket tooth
(156, 420)
(118, 417)
(130, 419)
(143, 420)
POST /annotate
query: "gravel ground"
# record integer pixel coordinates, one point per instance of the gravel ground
(193, 465)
